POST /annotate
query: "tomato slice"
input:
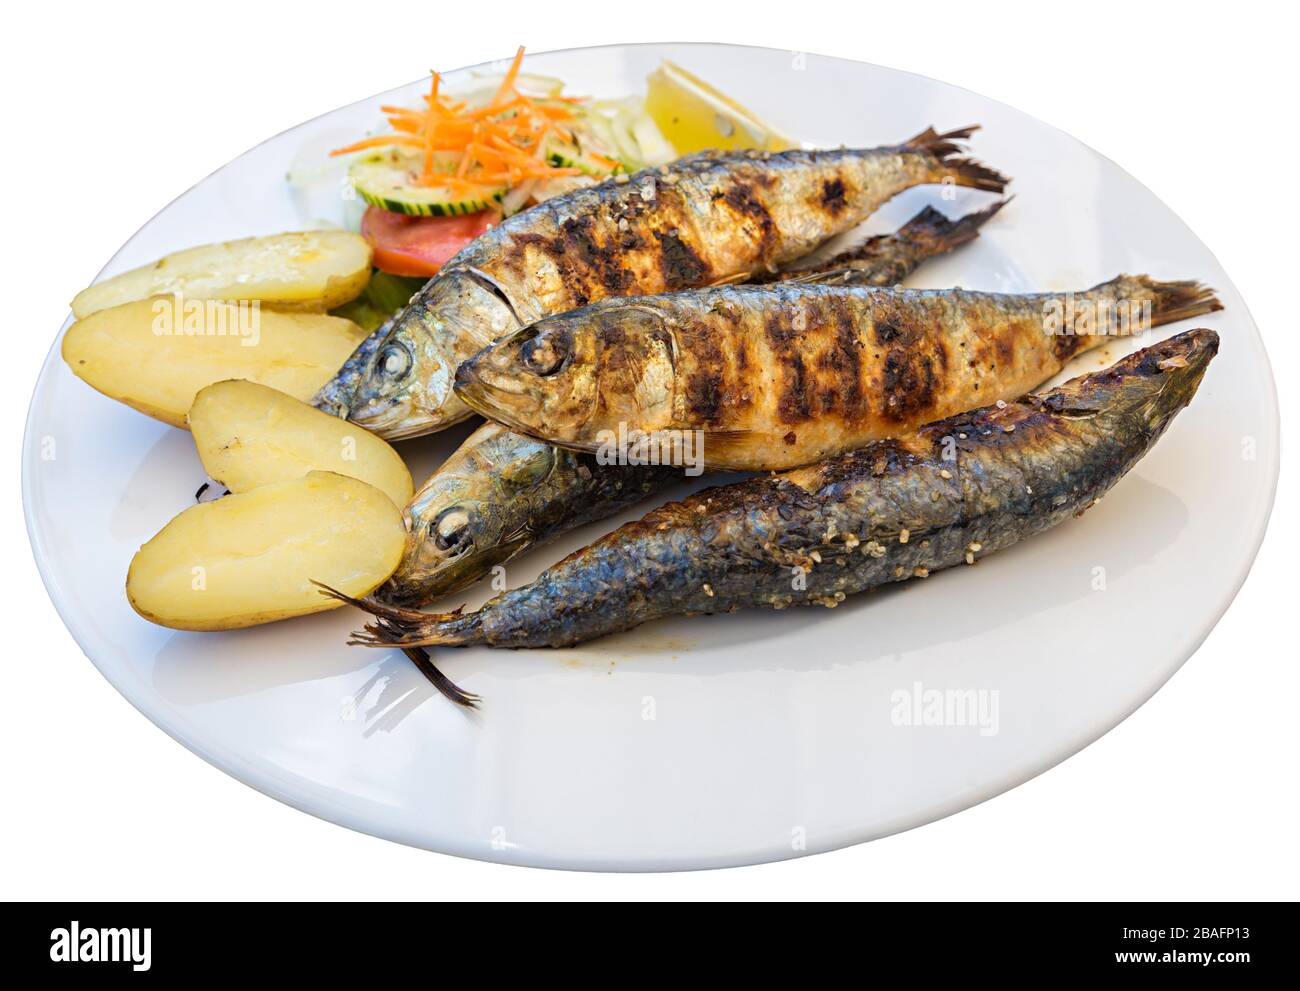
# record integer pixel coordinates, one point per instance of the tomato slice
(420, 245)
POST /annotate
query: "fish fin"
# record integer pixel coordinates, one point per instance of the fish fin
(721, 445)
(934, 229)
(411, 631)
(926, 235)
(940, 144)
(448, 688)
(374, 606)
(946, 148)
(825, 277)
(730, 280)
(1179, 300)
(975, 174)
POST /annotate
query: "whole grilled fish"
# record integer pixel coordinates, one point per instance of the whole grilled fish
(501, 492)
(705, 219)
(951, 492)
(770, 377)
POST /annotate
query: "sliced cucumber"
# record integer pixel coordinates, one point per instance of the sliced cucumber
(569, 155)
(387, 179)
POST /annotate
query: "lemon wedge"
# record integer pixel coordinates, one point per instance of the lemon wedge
(695, 116)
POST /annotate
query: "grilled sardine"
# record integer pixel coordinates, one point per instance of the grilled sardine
(705, 219)
(771, 377)
(953, 491)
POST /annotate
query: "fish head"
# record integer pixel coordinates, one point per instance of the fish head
(573, 377)
(472, 514)
(405, 388)
(1141, 393)
(1171, 372)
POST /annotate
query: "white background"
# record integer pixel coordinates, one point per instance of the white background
(112, 110)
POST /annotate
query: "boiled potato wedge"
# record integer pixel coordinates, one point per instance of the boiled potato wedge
(155, 359)
(307, 270)
(250, 435)
(251, 558)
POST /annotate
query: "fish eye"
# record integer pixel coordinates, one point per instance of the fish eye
(393, 361)
(543, 354)
(451, 530)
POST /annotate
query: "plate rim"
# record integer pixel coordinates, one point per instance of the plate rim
(233, 764)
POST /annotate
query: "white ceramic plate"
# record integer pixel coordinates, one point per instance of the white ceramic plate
(717, 740)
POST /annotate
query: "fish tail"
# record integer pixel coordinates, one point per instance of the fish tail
(412, 630)
(947, 151)
(940, 145)
(1178, 300)
(394, 627)
(938, 234)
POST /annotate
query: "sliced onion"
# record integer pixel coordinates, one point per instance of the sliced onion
(546, 188)
(655, 148)
(517, 198)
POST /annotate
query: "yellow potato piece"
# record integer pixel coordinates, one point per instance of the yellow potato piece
(250, 435)
(156, 354)
(307, 270)
(251, 558)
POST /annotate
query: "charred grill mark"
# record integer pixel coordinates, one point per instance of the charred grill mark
(682, 268)
(1065, 346)
(753, 214)
(832, 362)
(586, 263)
(786, 346)
(707, 393)
(848, 347)
(794, 405)
(907, 384)
(704, 394)
(631, 239)
(780, 332)
(1005, 348)
(887, 329)
(834, 197)
(941, 354)
(568, 276)
(911, 348)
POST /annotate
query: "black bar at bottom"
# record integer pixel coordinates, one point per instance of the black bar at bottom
(386, 942)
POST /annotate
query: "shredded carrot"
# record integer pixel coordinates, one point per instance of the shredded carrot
(379, 142)
(500, 142)
(430, 129)
(512, 74)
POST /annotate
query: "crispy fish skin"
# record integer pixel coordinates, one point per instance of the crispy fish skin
(704, 219)
(502, 493)
(952, 492)
(785, 375)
